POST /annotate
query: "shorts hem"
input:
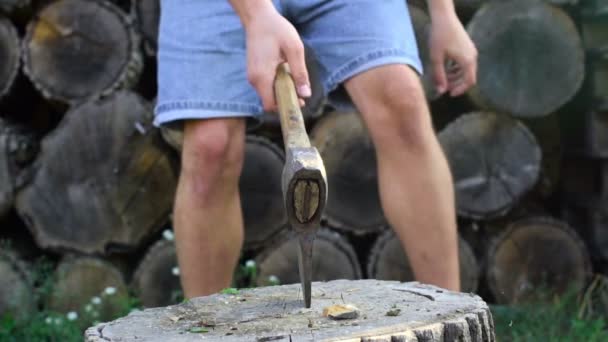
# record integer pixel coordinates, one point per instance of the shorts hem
(368, 61)
(182, 110)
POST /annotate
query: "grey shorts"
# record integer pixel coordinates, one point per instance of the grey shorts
(202, 57)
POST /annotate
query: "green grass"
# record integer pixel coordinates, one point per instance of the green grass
(571, 317)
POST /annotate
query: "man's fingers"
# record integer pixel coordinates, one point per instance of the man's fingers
(262, 81)
(439, 73)
(297, 64)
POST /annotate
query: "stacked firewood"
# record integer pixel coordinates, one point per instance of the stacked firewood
(88, 182)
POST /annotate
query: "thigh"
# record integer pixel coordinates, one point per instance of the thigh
(202, 63)
(352, 36)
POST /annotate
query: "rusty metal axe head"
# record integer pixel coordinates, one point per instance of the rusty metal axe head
(304, 187)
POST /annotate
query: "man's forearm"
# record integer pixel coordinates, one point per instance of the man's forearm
(440, 8)
(248, 9)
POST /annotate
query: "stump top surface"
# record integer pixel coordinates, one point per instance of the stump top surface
(277, 313)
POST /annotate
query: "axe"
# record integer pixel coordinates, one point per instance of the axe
(304, 182)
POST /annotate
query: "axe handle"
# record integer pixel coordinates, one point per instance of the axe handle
(290, 114)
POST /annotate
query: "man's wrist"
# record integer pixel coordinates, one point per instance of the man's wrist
(247, 10)
(441, 9)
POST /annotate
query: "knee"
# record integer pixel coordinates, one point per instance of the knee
(213, 152)
(400, 116)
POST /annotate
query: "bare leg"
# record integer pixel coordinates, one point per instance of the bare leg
(207, 214)
(415, 183)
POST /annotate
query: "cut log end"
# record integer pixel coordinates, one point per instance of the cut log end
(536, 253)
(10, 55)
(333, 258)
(494, 160)
(156, 279)
(353, 201)
(79, 280)
(107, 164)
(388, 261)
(16, 287)
(76, 49)
(531, 58)
(276, 313)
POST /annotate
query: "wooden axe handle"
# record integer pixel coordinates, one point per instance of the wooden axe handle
(290, 114)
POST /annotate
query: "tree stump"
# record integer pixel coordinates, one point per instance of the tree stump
(156, 279)
(333, 258)
(147, 13)
(276, 313)
(77, 49)
(494, 161)
(531, 59)
(80, 281)
(261, 195)
(17, 149)
(535, 255)
(10, 55)
(388, 261)
(16, 288)
(353, 202)
(104, 181)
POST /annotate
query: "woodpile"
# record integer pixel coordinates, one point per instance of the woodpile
(89, 182)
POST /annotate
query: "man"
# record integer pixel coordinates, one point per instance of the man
(217, 62)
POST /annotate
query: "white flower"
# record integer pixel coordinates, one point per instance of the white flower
(134, 310)
(48, 320)
(110, 290)
(88, 308)
(273, 279)
(96, 300)
(168, 235)
(175, 271)
(58, 321)
(72, 316)
(250, 264)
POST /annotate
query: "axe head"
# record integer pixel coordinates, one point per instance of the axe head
(304, 186)
(305, 193)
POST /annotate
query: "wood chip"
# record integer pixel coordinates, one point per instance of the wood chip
(341, 311)
(175, 318)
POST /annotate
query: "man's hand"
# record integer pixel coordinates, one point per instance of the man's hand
(453, 54)
(271, 40)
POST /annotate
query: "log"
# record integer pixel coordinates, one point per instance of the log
(533, 255)
(353, 202)
(10, 55)
(104, 182)
(16, 285)
(275, 313)
(17, 149)
(8, 6)
(494, 161)
(333, 258)
(77, 49)
(546, 131)
(156, 280)
(388, 261)
(147, 14)
(531, 58)
(77, 280)
(261, 195)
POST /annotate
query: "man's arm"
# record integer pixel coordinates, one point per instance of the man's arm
(450, 41)
(271, 40)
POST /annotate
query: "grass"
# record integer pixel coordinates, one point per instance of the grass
(572, 317)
